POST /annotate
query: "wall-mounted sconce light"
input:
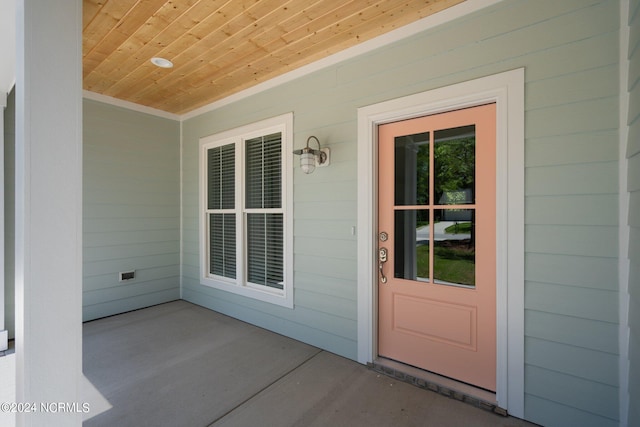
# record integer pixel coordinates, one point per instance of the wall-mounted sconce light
(310, 158)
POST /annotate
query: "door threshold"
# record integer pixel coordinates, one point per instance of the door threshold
(467, 393)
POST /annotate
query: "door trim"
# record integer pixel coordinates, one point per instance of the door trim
(507, 91)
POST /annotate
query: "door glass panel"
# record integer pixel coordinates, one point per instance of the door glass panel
(454, 256)
(454, 166)
(412, 169)
(411, 245)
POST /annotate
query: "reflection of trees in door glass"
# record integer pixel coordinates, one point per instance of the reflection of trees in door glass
(454, 184)
(454, 166)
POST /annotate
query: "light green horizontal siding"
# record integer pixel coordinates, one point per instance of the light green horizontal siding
(311, 325)
(105, 253)
(569, 88)
(591, 209)
(578, 240)
(633, 185)
(341, 288)
(577, 117)
(571, 149)
(585, 333)
(589, 396)
(550, 413)
(321, 229)
(104, 225)
(593, 365)
(138, 262)
(127, 291)
(117, 211)
(594, 304)
(104, 281)
(110, 306)
(633, 174)
(331, 305)
(314, 246)
(634, 206)
(131, 210)
(552, 180)
(581, 271)
(117, 238)
(329, 268)
(570, 52)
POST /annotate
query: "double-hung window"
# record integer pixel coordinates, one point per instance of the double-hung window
(246, 224)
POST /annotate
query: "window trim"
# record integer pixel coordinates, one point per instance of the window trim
(237, 136)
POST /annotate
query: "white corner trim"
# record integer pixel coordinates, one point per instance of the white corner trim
(8, 387)
(507, 90)
(4, 335)
(128, 105)
(439, 18)
(4, 339)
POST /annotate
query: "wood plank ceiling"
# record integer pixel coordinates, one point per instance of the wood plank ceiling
(220, 47)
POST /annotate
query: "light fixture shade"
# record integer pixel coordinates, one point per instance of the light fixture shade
(310, 158)
(307, 161)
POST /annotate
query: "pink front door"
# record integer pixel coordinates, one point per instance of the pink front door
(437, 250)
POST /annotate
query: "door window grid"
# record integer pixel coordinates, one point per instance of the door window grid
(448, 257)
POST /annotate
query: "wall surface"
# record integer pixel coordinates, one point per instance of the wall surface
(633, 183)
(9, 212)
(131, 209)
(570, 51)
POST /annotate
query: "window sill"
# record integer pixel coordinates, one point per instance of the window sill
(275, 296)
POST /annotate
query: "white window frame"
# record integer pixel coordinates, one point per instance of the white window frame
(238, 136)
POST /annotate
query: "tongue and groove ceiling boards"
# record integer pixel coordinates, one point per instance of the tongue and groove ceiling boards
(220, 47)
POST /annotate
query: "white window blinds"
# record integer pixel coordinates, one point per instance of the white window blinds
(221, 205)
(264, 172)
(265, 232)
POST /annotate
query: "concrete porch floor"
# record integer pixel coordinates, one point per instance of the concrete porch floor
(181, 365)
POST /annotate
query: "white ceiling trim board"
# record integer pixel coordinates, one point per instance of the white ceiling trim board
(128, 105)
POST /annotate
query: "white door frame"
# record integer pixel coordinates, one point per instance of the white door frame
(507, 91)
(4, 334)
